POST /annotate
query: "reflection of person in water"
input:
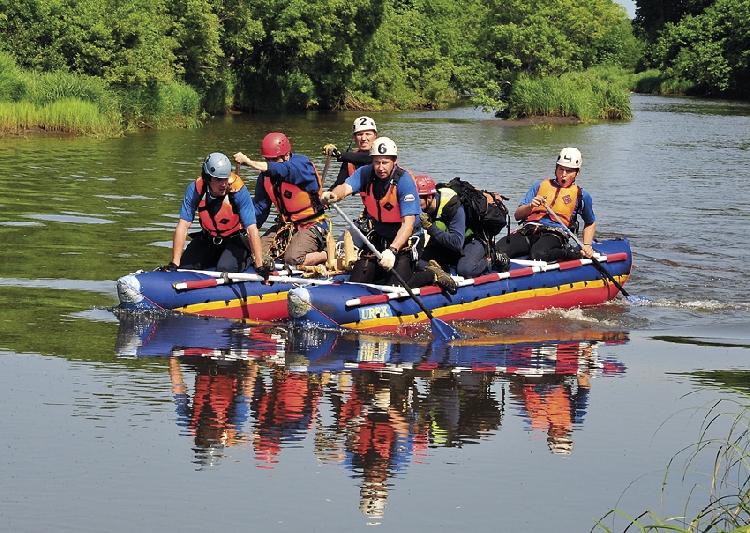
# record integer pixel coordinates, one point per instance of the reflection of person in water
(372, 434)
(285, 412)
(460, 407)
(220, 404)
(556, 402)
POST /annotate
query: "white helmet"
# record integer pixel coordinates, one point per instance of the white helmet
(363, 123)
(570, 158)
(384, 146)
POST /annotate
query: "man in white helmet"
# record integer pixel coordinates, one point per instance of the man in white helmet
(390, 197)
(542, 237)
(364, 132)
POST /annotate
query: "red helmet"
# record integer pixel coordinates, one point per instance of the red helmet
(275, 145)
(425, 185)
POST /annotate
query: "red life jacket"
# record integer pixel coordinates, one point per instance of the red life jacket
(387, 208)
(224, 220)
(293, 203)
(563, 201)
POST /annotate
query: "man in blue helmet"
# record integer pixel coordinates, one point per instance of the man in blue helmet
(229, 239)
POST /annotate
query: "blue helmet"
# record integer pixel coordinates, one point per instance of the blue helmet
(217, 165)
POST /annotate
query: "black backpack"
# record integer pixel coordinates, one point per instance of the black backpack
(486, 214)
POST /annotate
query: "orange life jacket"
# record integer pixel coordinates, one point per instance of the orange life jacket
(386, 209)
(224, 220)
(563, 201)
(293, 203)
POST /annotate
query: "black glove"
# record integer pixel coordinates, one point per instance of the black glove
(171, 267)
(265, 269)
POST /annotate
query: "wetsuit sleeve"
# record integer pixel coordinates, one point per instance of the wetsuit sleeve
(189, 203)
(340, 177)
(359, 159)
(453, 238)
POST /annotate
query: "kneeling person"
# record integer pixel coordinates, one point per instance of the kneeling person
(229, 237)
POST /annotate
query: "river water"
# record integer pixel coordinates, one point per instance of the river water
(547, 421)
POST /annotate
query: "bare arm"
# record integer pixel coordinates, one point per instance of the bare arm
(588, 238)
(522, 211)
(253, 236)
(242, 159)
(178, 241)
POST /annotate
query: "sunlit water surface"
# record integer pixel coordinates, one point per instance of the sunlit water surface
(546, 421)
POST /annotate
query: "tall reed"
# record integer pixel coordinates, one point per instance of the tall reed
(724, 500)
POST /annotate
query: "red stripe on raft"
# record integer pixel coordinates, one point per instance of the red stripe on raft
(487, 278)
(619, 256)
(567, 265)
(201, 283)
(483, 367)
(428, 365)
(372, 299)
(430, 289)
(520, 272)
(370, 366)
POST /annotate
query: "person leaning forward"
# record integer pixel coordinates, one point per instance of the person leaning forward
(540, 236)
(229, 236)
(292, 184)
(390, 198)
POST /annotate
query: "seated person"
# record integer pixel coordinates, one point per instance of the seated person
(540, 236)
(450, 243)
(390, 198)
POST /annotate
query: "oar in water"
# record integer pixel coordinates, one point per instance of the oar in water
(440, 329)
(595, 261)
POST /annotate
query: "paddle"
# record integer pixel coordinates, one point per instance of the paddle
(594, 260)
(440, 329)
(219, 278)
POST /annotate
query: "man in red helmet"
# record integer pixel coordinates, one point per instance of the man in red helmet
(290, 182)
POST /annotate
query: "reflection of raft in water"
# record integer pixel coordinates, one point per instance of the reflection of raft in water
(527, 287)
(319, 351)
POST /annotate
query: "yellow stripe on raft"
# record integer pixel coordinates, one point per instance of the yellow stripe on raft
(481, 303)
(236, 303)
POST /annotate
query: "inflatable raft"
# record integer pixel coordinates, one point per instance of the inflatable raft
(236, 296)
(528, 286)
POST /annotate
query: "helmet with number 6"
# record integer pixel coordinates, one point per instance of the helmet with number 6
(275, 145)
(570, 158)
(362, 124)
(425, 185)
(384, 146)
(217, 165)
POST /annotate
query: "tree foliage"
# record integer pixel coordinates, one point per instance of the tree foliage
(711, 49)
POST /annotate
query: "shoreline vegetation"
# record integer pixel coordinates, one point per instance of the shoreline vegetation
(104, 68)
(70, 104)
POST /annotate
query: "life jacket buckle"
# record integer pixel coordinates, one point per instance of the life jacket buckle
(217, 240)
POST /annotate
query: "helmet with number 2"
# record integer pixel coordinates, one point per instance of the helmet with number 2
(362, 124)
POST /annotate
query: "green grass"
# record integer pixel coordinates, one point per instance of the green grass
(723, 499)
(591, 95)
(62, 102)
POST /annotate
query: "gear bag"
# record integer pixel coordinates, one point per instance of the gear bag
(486, 214)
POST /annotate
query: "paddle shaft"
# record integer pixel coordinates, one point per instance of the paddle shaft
(594, 260)
(374, 250)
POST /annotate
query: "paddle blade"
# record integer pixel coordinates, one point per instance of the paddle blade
(637, 300)
(442, 331)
